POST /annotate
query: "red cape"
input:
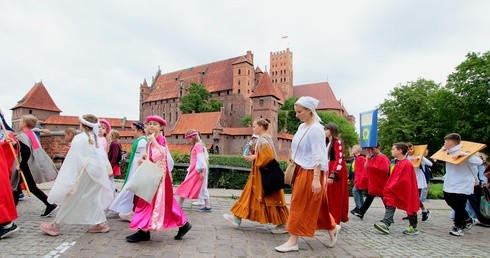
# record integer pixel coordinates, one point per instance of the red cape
(8, 212)
(378, 171)
(401, 190)
(360, 174)
(338, 192)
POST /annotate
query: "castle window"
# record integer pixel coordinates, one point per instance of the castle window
(261, 102)
(238, 91)
(238, 82)
(208, 136)
(248, 72)
(239, 71)
(30, 111)
(231, 107)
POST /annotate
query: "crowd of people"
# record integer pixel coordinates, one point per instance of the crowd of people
(84, 191)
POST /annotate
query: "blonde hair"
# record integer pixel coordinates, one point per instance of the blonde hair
(29, 120)
(263, 122)
(87, 129)
(195, 138)
(70, 131)
(114, 135)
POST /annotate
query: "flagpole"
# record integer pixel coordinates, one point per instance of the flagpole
(16, 159)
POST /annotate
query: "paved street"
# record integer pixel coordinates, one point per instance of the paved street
(212, 236)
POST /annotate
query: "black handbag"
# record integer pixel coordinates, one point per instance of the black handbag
(272, 177)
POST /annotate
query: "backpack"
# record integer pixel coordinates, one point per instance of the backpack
(485, 203)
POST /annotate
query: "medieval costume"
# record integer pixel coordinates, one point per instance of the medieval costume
(338, 192)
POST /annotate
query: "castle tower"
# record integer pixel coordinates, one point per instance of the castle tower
(243, 85)
(281, 71)
(266, 101)
(144, 93)
(36, 102)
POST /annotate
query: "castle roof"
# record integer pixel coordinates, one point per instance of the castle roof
(217, 76)
(205, 123)
(37, 98)
(237, 131)
(258, 70)
(321, 91)
(266, 88)
(73, 121)
(285, 136)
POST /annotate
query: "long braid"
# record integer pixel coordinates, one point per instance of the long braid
(96, 142)
(90, 141)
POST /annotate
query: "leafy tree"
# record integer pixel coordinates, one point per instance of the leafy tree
(197, 100)
(346, 129)
(246, 120)
(282, 118)
(413, 114)
(470, 84)
(291, 122)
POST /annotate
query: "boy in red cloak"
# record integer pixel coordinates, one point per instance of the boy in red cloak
(400, 192)
(8, 212)
(378, 171)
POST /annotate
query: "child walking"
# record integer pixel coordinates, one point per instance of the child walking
(400, 192)
(195, 185)
(123, 203)
(82, 187)
(163, 212)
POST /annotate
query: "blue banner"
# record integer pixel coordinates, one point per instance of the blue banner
(369, 128)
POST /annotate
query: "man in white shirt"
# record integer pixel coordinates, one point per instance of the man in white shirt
(459, 182)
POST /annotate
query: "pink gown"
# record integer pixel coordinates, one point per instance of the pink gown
(191, 187)
(164, 211)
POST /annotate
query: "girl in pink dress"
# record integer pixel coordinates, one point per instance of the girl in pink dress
(164, 211)
(195, 184)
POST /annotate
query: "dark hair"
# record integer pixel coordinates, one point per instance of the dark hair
(263, 122)
(401, 146)
(333, 128)
(456, 138)
(139, 126)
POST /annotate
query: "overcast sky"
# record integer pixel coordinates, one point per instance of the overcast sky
(93, 55)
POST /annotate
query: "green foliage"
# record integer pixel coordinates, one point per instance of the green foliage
(246, 120)
(435, 191)
(292, 123)
(287, 114)
(347, 130)
(282, 118)
(197, 100)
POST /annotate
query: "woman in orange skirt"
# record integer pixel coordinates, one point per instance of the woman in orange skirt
(309, 205)
(252, 204)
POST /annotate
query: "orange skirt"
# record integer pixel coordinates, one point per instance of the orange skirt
(308, 212)
(252, 205)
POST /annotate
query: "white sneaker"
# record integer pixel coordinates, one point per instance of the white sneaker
(284, 249)
(232, 219)
(197, 203)
(126, 216)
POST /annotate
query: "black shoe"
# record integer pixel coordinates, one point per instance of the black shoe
(359, 215)
(5, 232)
(425, 215)
(139, 236)
(354, 211)
(182, 231)
(49, 209)
(405, 218)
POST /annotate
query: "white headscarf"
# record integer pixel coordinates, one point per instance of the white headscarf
(311, 104)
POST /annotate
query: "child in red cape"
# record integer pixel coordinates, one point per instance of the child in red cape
(400, 192)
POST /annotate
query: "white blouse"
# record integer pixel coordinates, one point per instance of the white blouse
(312, 150)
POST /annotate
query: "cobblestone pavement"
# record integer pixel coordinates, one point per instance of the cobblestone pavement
(212, 236)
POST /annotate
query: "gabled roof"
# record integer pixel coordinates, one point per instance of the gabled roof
(321, 91)
(205, 123)
(38, 98)
(217, 76)
(237, 131)
(285, 136)
(73, 120)
(265, 88)
(258, 70)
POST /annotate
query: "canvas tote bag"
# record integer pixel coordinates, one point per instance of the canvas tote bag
(289, 173)
(145, 181)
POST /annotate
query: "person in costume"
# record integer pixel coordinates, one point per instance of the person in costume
(123, 203)
(459, 182)
(360, 177)
(8, 211)
(309, 207)
(69, 135)
(421, 180)
(82, 188)
(104, 129)
(195, 185)
(378, 171)
(338, 182)
(35, 163)
(400, 192)
(252, 204)
(115, 153)
(163, 212)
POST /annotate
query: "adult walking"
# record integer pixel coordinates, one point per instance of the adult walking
(309, 209)
(252, 204)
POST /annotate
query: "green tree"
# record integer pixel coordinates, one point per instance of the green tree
(347, 130)
(291, 122)
(246, 120)
(411, 114)
(198, 100)
(470, 84)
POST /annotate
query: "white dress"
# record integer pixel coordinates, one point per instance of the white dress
(124, 200)
(82, 188)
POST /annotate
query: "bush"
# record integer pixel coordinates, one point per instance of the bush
(435, 191)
